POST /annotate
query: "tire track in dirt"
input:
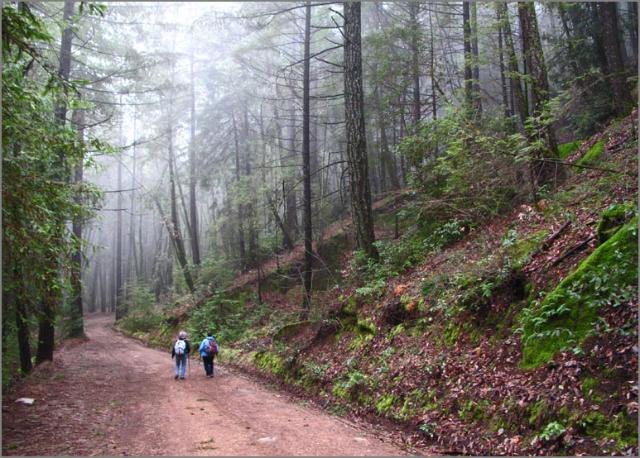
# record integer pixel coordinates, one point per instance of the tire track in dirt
(112, 396)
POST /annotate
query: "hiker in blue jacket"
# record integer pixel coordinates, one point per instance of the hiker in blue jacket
(208, 350)
(180, 349)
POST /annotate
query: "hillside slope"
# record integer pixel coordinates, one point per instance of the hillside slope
(510, 336)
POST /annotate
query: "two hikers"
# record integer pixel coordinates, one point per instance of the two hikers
(181, 349)
(208, 350)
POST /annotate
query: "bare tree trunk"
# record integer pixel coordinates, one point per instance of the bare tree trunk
(120, 311)
(355, 129)
(468, 72)
(193, 208)
(388, 165)
(174, 231)
(287, 239)
(477, 100)
(240, 210)
(414, 9)
(544, 171)
(291, 200)
(615, 64)
(14, 298)
(503, 79)
(306, 172)
(514, 73)
(52, 296)
(432, 70)
(77, 325)
(133, 258)
(633, 30)
(250, 209)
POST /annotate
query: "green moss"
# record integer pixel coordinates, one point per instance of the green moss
(269, 362)
(365, 331)
(365, 328)
(350, 386)
(566, 149)
(397, 330)
(520, 251)
(593, 154)
(385, 403)
(415, 401)
(568, 314)
(472, 411)
(538, 413)
(290, 329)
(613, 219)
(621, 428)
(340, 391)
(451, 333)
(589, 389)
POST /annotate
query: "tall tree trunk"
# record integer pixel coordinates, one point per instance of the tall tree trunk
(133, 258)
(120, 299)
(175, 232)
(503, 79)
(52, 296)
(103, 289)
(598, 35)
(287, 240)
(250, 209)
(517, 94)
(77, 325)
(468, 67)
(414, 10)
(355, 130)
(569, 39)
(193, 208)
(387, 162)
(291, 199)
(306, 166)
(14, 298)
(477, 100)
(240, 209)
(633, 29)
(432, 70)
(544, 171)
(615, 64)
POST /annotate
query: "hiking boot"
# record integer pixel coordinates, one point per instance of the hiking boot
(181, 378)
(175, 378)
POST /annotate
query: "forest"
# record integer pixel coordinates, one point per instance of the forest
(416, 217)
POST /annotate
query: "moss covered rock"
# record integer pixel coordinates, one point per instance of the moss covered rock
(593, 154)
(567, 315)
(613, 219)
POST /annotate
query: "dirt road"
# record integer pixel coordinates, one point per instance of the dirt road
(112, 396)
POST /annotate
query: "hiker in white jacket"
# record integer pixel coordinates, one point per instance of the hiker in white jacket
(180, 349)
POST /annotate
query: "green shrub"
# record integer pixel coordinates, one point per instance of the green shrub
(386, 403)
(269, 362)
(227, 318)
(568, 314)
(462, 167)
(552, 431)
(143, 314)
(349, 386)
(621, 428)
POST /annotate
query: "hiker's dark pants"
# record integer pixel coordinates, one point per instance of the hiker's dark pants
(208, 364)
